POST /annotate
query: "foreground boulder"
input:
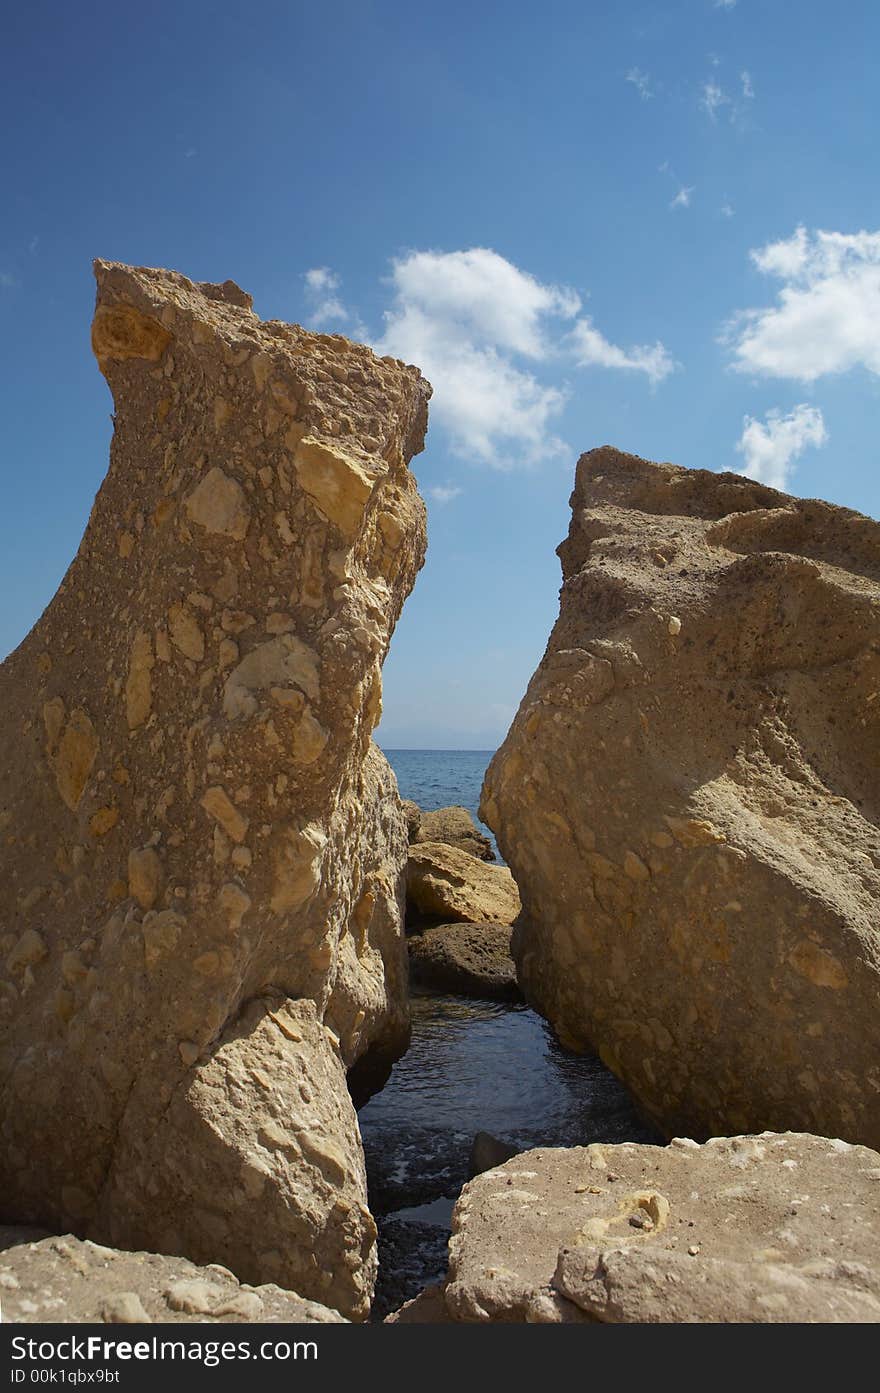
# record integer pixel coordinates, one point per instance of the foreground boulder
(455, 827)
(445, 883)
(201, 852)
(768, 1228)
(688, 799)
(471, 959)
(66, 1279)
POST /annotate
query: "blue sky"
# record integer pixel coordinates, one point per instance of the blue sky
(650, 225)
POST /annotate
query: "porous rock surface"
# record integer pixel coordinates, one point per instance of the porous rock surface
(455, 827)
(473, 959)
(445, 883)
(67, 1279)
(769, 1228)
(201, 852)
(688, 799)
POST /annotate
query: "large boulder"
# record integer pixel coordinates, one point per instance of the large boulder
(445, 883)
(455, 827)
(471, 959)
(51, 1279)
(688, 799)
(762, 1228)
(201, 851)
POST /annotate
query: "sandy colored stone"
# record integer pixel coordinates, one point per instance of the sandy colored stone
(691, 810)
(455, 827)
(65, 1279)
(768, 1228)
(443, 882)
(177, 841)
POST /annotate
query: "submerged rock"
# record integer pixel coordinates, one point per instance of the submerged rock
(455, 827)
(473, 959)
(201, 851)
(65, 1279)
(445, 883)
(688, 799)
(769, 1228)
(488, 1151)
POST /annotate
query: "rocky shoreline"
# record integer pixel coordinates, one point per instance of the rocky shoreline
(215, 897)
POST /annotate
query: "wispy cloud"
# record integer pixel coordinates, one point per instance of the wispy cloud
(444, 493)
(712, 98)
(7, 280)
(826, 318)
(770, 449)
(641, 82)
(727, 209)
(325, 307)
(724, 4)
(748, 90)
(594, 350)
(683, 198)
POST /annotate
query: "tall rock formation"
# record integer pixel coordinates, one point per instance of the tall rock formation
(689, 798)
(201, 853)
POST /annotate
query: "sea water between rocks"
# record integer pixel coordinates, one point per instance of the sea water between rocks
(472, 1066)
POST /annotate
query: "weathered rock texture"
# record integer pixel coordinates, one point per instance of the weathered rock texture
(768, 1228)
(66, 1279)
(473, 959)
(455, 827)
(201, 852)
(688, 799)
(443, 882)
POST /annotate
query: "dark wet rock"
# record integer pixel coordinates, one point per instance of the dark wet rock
(488, 1152)
(473, 959)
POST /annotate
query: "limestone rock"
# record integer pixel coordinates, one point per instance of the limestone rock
(196, 829)
(473, 959)
(455, 827)
(443, 882)
(765, 1228)
(688, 799)
(66, 1279)
(413, 814)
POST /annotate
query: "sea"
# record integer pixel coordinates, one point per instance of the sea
(472, 1066)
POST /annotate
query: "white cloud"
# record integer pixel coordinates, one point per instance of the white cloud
(641, 82)
(770, 450)
(478, 326)
(444, 493)
(321, 285)
(725, 4)
(713, 97)
(727, 209)
(683, 198)
(593, 349)
(464, 317)
(827, 315)
(748, 90)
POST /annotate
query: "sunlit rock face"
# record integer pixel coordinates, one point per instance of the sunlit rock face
(200, 849)
(688, 800)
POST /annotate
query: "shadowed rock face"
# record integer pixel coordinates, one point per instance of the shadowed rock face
(201, 852)
(688, 799)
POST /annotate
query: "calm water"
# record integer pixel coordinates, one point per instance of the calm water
(472, 1066)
